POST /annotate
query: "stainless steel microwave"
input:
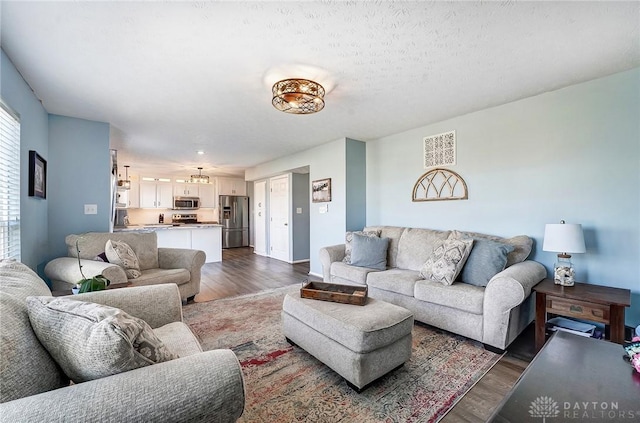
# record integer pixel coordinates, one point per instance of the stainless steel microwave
(186, 203)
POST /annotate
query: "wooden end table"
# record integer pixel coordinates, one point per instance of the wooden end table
(596, 303)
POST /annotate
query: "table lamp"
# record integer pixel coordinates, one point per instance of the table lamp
(563, 238)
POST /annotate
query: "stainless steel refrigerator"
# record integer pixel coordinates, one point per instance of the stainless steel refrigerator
(234, 218)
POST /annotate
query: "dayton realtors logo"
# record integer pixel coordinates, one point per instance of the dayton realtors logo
(546, 407)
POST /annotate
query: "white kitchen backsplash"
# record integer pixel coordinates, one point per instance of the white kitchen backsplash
(207, 215)
(150, 216)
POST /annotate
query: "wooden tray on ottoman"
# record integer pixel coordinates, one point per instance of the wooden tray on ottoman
(345, 294)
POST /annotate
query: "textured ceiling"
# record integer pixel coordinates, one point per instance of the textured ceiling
(175, 77)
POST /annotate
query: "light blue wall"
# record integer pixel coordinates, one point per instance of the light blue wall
(33, 136)
(77, 155)
(79, 174)
(325, 161)
(301, 221)
(571, 154)
(356, 184)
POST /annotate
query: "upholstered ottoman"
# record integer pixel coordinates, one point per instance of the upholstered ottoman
(360, 343)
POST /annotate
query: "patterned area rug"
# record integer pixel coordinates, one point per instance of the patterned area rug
(286, 384)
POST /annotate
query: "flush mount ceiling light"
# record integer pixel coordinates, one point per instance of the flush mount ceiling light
(199, 178)
(298, 96)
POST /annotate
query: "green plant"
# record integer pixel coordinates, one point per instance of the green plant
(96, 283)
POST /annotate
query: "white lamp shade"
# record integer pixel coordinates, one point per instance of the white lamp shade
(563, 238)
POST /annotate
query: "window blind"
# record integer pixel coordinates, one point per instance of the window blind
(9, 183)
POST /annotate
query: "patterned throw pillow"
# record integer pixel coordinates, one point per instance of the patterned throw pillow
(121, 254)
(447, 260)
(349, 240)
(90, 341)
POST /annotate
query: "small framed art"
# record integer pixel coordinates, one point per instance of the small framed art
(321, 190)
(37, 175)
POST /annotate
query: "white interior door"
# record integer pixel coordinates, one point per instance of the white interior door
(260, 218)
(279, 218)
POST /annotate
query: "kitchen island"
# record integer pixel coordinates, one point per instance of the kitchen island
(198, 236)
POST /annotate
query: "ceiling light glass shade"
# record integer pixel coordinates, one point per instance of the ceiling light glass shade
(199, 178)
(298, 96)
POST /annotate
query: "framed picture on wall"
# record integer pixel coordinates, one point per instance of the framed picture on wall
(37, 175)
(321, 190)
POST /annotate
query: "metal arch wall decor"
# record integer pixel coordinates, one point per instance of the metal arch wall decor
(440, 184)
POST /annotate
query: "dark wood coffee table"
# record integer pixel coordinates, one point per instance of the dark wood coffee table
(571, 376)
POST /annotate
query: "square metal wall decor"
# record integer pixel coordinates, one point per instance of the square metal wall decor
(440, 150)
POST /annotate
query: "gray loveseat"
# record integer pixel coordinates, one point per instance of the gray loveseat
(494, 315)
(197, 386)
(157, 265)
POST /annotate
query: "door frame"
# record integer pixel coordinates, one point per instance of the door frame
(261, 220)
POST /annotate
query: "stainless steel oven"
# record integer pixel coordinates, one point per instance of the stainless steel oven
(186, 203)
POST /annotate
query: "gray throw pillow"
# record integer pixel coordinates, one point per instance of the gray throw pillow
(522, 244)
(487, 258)
(368, 251)
(447, 260)
(90, 341)
(348, 239)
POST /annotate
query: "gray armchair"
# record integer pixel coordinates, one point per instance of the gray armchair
(158, 265)
(198, 386)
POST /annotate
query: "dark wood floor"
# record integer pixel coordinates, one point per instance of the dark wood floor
(242, 272)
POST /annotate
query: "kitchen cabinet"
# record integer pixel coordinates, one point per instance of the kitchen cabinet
(134, 196)
(128, 198)
(207, 239)
(206, 193)
(208, 197)
(232, 186)
(178, 238)
(186, 190)
(156, 195)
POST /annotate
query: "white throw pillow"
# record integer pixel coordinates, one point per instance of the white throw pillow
(122, 254)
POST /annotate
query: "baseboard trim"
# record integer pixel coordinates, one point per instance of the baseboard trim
(300, 261)
(315, 274)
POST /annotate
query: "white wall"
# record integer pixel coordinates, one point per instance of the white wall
(325, 161)
(571, 154)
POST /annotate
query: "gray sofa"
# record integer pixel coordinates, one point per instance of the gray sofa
(197, 386)
(494, 315)
(157, 265)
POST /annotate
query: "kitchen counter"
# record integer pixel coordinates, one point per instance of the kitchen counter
(161, 226)
(198, 236)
